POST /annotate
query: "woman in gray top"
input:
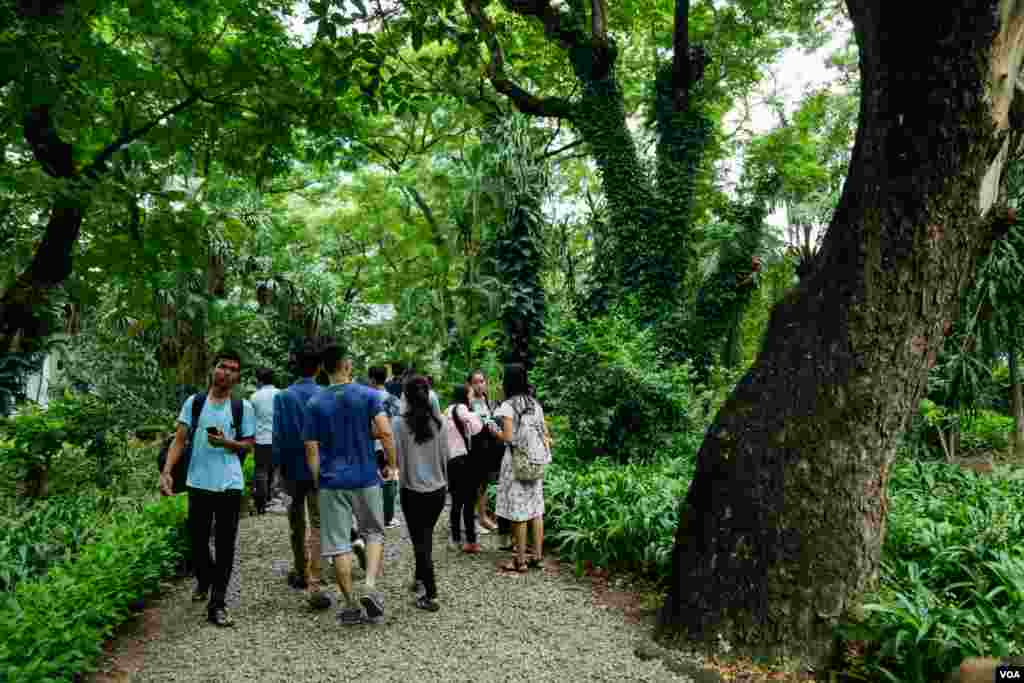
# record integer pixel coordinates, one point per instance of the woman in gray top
(423, 463)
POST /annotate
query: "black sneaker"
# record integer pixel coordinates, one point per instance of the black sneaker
(373, 603)
(359, 548)
(428, 604)
(296, 581)
(319, 600)
(219, 617)
(200, 595)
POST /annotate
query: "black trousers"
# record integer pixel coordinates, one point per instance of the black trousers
(421, 512)
(203, 508)
(464, 480)
(263, 473)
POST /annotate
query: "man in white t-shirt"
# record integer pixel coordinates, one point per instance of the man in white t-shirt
(263, 403)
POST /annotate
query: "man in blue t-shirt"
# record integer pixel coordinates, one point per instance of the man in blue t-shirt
(214, 481)
(341, 424)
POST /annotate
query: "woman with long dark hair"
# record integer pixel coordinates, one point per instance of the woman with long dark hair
(464, 475)
(422, 448)
(521, 501)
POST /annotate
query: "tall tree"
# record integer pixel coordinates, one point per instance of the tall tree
(781, 530)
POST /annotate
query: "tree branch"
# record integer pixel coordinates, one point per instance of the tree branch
(681, 56)
(599, 21)
(557, 26)
(523, 100)
(55, 155)
(99, 164)
(556, 152)
(424, 207)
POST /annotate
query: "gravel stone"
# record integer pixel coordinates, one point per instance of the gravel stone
(491, 627)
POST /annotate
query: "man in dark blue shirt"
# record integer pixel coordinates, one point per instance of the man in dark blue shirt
(341, 424)
(289, 455)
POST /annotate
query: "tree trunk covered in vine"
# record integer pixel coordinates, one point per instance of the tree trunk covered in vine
(781, 530)
(1016, 404)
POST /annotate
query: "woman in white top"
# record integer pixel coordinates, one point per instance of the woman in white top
(464, 475)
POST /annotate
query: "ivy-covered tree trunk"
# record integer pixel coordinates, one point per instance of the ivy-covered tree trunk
(1016, 404)
(781, 530)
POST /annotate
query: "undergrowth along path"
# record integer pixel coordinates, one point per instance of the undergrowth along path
(493, 625)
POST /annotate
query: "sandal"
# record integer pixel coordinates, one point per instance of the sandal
(514, 566)
(535, 563)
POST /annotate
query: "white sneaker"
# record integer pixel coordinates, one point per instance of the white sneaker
(393, 524)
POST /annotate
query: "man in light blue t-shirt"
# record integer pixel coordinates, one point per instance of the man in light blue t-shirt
(214, 480)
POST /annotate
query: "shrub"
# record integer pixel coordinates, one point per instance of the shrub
(603, 376)
(37, 536)
(952, 575)
(613, 514)
(983, 431)
(53, 628)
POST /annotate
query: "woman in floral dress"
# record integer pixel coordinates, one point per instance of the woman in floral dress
(521, 502)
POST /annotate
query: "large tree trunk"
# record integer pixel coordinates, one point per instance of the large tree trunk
(782, 528)
(1016, 406)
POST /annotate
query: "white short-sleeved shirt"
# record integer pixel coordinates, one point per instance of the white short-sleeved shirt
(216, 469)
(263, 403)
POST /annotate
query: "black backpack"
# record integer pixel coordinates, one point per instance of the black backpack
(179, 473)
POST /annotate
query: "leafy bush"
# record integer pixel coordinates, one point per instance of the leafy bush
(604, 377)
(979, 431)
(616, 515)
(53, 628)
(952, 575)
(34, 537)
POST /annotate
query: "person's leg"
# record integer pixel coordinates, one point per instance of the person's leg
(416, 509)
(537, 529)
(390, 491)
(519, 532)
(200, 521)
(335, 538)
(261, 475)
(297, 525)
(226, 510)
(313, 548)
(456, 481)
(432, 506)
(368, 510)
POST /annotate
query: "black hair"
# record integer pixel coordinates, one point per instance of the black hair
(397, 369)
(460, 394)
(264, 376)
(228, 354)
(419, 412)
(470, 376)
(517, 384)
(308, 359)
(378, 374)
(332, 354)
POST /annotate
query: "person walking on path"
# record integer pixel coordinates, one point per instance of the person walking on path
(214, 480)
(464, 474)
(423, 454)
(289, 455)
(392, 405)
(521, 501)
(339, 451)
(263, 403)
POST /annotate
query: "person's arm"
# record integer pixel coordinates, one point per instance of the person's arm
(236, 446)
(313, 461)
(173, 455)
(382, 432)
(275, 430)
(506, 429)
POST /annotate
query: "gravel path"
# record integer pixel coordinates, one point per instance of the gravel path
(542, 626)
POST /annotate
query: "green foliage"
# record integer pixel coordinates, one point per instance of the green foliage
(951, 576)
(614, 514)
(604, 377)
(35, 537)
(53, 628)
(983, 431)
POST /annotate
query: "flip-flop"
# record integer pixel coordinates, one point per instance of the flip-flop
(514, 566)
